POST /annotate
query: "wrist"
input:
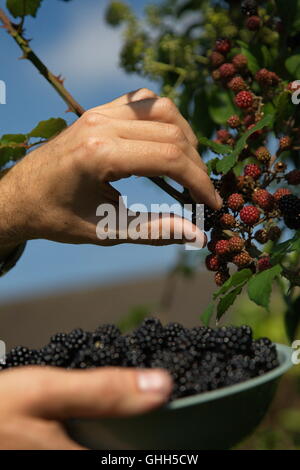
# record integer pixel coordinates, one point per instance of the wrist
(12, 228)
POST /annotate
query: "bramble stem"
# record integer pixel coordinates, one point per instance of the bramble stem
(58, 85)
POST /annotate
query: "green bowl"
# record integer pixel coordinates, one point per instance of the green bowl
(213, 420)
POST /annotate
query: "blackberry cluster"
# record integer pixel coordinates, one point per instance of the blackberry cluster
(199, 359)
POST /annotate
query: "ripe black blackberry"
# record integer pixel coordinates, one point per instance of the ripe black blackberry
(249, 7)
(199, 359)
(290, 207)
(212, 217)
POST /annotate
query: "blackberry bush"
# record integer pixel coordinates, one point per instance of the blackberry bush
(232, 68)
(199, 359)
(236, 62)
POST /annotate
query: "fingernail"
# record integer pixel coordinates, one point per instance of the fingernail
(154, 381)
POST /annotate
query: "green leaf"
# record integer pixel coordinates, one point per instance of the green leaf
(292, 319)
(221, 107)
(134, 318)
(207, 314)
(211, 165)
(227, 301)
(214, 146)
(239, 277)
(225, 165)
(49, 128)
(292, 65)
(253, 64)
(265, 122)
(8, 139)
(284, 108)
(260, 286)
(11, 154)
(23, 7)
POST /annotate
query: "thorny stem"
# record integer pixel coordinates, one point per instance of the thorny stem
(15, 31)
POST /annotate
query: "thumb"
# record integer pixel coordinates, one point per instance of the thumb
(100, 392)
(164, 229)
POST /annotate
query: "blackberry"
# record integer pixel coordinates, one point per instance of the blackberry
(290, 207)
(199, 359)
(212, 217)
(249, 7)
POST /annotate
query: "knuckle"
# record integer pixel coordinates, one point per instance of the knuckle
(92, 144)
(166, 105)
(173, 154)
(176, 133)
(90, 118)
(145, 93)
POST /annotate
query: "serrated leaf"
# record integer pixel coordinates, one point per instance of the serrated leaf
(225, 164)
(23, 7)
(260, 286)
(284, 107)
(215, 147)
(227, 301)
(253, 64)
(49, 128)
(207, 314)
(265, 122)
(238, 278)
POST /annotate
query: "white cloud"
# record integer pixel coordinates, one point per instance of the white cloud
(86, 52)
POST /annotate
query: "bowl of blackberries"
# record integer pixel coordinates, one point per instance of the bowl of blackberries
(224, 382)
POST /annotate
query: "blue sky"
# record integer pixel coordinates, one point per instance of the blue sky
(74, 41)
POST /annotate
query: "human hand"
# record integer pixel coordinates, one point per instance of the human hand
(35, 400)
(54, 191)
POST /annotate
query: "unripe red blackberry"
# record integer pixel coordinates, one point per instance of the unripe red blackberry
(264, 263)
(274, 233)
(234, 121)
(252, 170)
(253, 23)
(249, 120)
(228, 221)
(293, 177)
(240, 61)
(222, 247)
(223, 45)
(285, 143)
(244, 99)
(236, 244)
(227, 71)
(250, 215)
(263, 77)
(262, 236)
(237, 84)
(221, 277)
(216, 59)
(212, 262)
(235, 201)
(281, 192)
(263, 199)
(263, 155)
(242, 259)
(223, 135)
(255, 135)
